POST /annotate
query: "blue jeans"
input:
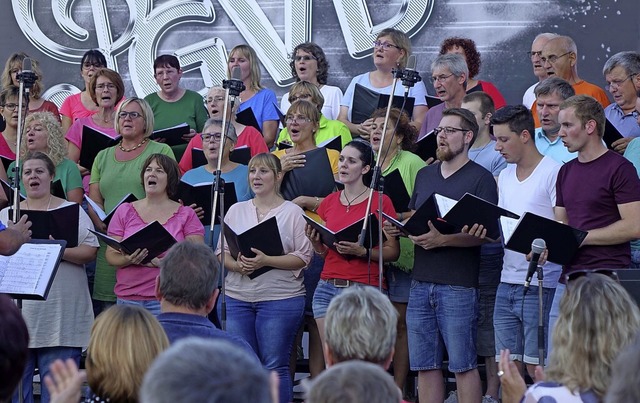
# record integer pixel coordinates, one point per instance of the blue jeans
(152, 306)
(42, 358)
(553, 315)
(513, 314)
(442, 316)
(270, 328)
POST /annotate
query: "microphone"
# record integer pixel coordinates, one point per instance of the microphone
(26, 76)
(537, 247)
(409, 75)
(235, 84)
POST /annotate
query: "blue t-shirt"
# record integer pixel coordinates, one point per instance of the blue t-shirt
(263, 105)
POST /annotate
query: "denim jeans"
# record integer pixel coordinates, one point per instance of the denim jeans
(152, 305)
(42, 358)
(442, 316)
(553, 315)
(270, 328)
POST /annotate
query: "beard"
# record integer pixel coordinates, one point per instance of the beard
(448, 153)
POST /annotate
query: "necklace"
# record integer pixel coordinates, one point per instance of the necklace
(344, 193)
(260, 214)
(48, 204)
(128, 150)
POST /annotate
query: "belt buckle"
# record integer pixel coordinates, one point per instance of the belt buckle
(341, 283)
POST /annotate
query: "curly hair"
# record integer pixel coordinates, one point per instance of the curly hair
(471, 54)
(402, 124)
(56, 143)
(15, 62)
(598, 318)
(318, 54)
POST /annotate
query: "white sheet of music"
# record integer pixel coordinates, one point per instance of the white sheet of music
(444, 204)
(29, 270)
(508, 225)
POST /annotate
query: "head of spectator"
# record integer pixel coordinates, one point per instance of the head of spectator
(481, 105)
(125, 339)
(449, 75)
(457, 131)
(167, 72)
(14, 347)
(598, 318)
(106, 88)
(391, 49)
(13, 67)
(306, 91)
(206, 370)
(622, 73)
(560, 58)
(360, 325)
(401, 135)
(188, 280)
(466, 48)
(625, 376)
(535, 54)
(354, 382)
(308, 63)
(245, 57)
(513, 129)
(582, 123)
(550, 93)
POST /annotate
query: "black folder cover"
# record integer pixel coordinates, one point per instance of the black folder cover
(264, 237)
(365, 101)
(93, 141)
(6, 161)
(315, 178)
(562, 240)
(350, 233)
(417, 224)
(426, 147)
(154, 237)
(396, 190)
(611, 134)
(248, 118)
(8, 191)
(172, 135)
(57, 190)
(332, 144)
(433, 101)
(200, 194)
(197, 158)
(240, 155)
(471, 209)
(60, 223)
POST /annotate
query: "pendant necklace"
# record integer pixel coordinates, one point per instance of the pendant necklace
(344, 193)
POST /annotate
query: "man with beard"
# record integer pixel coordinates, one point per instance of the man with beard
(442, 308)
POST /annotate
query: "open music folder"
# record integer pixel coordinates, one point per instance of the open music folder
(60, 223)
(417, 223)
(94, 141)
(349, 233)
(200, 194)
(29, 273)
(315, 178)
(106, 217)
(172, 135)
(366, 101)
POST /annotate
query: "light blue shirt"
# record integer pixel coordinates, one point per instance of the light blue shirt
(627, 124)
(554, 149)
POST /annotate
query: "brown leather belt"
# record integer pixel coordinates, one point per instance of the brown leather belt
(341, 283)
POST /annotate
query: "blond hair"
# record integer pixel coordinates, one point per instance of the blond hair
(56, 143)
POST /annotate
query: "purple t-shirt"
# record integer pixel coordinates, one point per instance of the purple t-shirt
(591, 192)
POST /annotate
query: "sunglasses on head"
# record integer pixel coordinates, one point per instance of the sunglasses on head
(611, 273)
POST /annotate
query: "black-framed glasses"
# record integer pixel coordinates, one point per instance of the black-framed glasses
(448, 130)
(532, 53)
(385, 45)
(441, 78)
(617, 83)
(207, 137)
(305, 58)
(576, 274)
(553, 58)
(132, 115)
(88, 65)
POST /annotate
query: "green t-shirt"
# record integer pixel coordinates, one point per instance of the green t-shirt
(67, 171)
(189, 109)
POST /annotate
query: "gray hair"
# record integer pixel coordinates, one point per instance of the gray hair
(545, 35)
(361, 325)
(205, 370)
(229, 131)
(629, 61)
(189, 275)
(354, 382)
(454, 62)
(554, 85)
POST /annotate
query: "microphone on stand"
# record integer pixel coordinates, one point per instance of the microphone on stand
(409, 75)
(27, 76)
(234, 84)
(537, 247)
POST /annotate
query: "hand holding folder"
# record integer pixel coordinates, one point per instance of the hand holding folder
(350, 233)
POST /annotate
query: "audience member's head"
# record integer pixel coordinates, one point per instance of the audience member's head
(14, 347)
(597, 319)
(625, 376)
(124, 341)
(354, 382)
(188, 278)
(360, 325)
(205, 370)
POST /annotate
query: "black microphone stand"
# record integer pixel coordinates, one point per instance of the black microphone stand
(541, 332)
(233, 88)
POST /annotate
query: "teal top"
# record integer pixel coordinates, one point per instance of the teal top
(67, 171)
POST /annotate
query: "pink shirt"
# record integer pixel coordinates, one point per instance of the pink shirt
(136, 282)
(73, 108)
(5, 150)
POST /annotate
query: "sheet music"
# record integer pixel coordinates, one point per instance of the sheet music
(100, 212)
(508, 225)
(28, 271)
(444, 204)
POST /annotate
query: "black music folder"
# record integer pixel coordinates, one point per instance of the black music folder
(334, 143)
(417, 223)
(93, 141)
(433, 101)
(29, 273)
(240, 155)
(8, 191)
(350, 233)
(265, 237)
(104, 217)
(283, 145)
(172, 135)
(200, 194)
(6, 161)
(396, 190)
(366, 101)
(611, 134)
(562, 240)
(315, 178)
(427, 146)
(57, 189)
(60, 223)
(471, 209)
(248, 118)
(154, 237)
(197, 158)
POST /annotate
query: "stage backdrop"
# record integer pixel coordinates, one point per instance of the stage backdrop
(200, 32)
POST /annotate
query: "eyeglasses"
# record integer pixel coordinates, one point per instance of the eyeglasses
(553, 58)
(210, 100)
(13, 107)
(385, 45)
(132, 115)
(569, 277)
(448, 130)
(617, 83)
(531, 54)
(293, 99)
(440, 79)
(207, 137)
(108, 86)
(297, 119)
(88, 65)
(305, 58)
